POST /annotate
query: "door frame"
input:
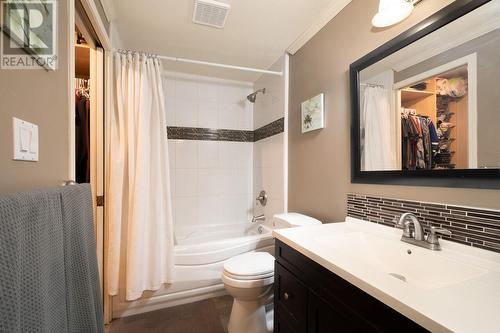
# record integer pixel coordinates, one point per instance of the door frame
(96, 28)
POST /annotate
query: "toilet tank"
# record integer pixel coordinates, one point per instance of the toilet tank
(291, 220)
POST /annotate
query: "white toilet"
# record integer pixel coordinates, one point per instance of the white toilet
(249, 278)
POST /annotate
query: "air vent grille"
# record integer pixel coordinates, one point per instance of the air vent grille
(210, 12)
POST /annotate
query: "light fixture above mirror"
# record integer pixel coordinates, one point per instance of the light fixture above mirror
(392, 11)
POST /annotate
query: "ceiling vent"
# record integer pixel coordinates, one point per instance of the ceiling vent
(211, 13)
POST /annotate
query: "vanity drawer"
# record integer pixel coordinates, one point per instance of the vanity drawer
(290, 298)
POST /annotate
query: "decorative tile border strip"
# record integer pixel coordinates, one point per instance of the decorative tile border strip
(470, 226)
(276, 127)
(210, 134)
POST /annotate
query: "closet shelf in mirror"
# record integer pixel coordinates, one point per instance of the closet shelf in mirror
(412, 94)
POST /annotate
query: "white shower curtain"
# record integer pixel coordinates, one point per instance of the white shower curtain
(378, 122)
(140, 251)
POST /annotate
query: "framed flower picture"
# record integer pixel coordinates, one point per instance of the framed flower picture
(313, 113)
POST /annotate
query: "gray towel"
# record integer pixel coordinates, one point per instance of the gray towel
(48, 266)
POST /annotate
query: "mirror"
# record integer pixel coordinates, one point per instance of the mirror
(427, 104)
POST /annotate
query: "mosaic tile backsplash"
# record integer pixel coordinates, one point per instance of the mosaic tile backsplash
(470, 226)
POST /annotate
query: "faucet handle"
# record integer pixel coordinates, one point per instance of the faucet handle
(442, 231)
(432, 237)
(262, 198)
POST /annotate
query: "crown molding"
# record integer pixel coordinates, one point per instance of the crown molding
(331, 11)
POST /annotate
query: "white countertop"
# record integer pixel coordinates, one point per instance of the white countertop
(472, 305)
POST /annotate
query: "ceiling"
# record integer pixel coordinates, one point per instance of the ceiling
(256, 34)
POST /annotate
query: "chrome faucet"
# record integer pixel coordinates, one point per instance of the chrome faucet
(405, 224)
(417, 237)
(260, 217)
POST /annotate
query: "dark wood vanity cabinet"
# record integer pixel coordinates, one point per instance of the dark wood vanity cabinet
(309, 298)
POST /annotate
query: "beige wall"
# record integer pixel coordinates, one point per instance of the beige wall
(40, 97)
(319, 161)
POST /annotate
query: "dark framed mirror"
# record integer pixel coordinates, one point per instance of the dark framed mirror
(425, 106)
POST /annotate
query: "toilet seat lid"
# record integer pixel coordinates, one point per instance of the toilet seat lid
(250, 264)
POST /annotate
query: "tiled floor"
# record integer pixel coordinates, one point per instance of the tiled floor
(208, 316)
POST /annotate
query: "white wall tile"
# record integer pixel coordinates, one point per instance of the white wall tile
(186, 211)
(208, 114)
(258, 184)
(208, 154)
(225, 185)
(270, 106)
(235, 182)
(170, 106)
(235, 208)
(277, 183)
(216, 182)
(186, 182)
(235, 155)
(229, 116)
(257, 154)
(228, 182)
(172, 182)
(186, 89)
(246, 118)
(209, 210)
(186, 154)
(198, 101)
(232, 94)
(268, 153)
(209, 181)
(208, 91)
(186, 112)
(274, 206)
(169, 86)
(245, 181)
(171, 153)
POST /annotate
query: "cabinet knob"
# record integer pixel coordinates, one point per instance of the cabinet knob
(286, 296)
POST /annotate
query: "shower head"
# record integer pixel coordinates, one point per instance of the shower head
(253, 96)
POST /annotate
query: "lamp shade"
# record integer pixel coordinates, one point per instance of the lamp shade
(391, 12)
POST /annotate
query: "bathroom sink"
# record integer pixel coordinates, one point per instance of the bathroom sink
(410, 264)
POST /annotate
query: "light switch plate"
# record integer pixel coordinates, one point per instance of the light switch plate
(25, 140)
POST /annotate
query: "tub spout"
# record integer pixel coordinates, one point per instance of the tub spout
(257, 218)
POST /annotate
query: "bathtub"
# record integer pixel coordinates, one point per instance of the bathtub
(200, 253)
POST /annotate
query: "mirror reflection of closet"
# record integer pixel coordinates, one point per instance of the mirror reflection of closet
(82, 109)
(441, 104)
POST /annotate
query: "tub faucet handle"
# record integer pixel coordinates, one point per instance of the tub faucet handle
(262, 198)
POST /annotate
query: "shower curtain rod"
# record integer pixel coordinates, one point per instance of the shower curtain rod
(214, 64)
